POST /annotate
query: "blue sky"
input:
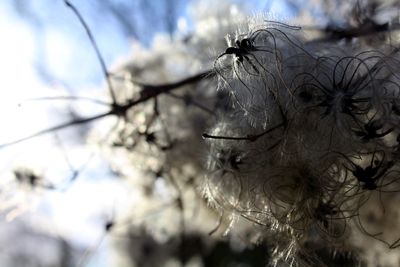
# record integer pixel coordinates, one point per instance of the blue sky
(61, 50)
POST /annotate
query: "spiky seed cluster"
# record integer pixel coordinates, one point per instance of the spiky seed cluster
(310, 140)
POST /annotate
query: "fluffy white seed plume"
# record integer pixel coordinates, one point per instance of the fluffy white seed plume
(158, 146)
(306, 144)
(307, 141)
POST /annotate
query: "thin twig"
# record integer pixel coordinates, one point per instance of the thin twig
(250, 138)
(68, 98)
(96, 48)
(148, 92)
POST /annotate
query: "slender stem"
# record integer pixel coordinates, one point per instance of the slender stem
(96, 48)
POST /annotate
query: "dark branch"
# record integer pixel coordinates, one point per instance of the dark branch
(366, 29)
(148, 92)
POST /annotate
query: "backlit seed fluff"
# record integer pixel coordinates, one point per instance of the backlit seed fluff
(309, 142)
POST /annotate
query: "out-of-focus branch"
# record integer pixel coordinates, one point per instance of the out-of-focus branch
(148, 92)
(366, 29)
(124, 16)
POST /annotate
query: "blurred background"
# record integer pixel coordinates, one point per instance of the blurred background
(63, 201)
